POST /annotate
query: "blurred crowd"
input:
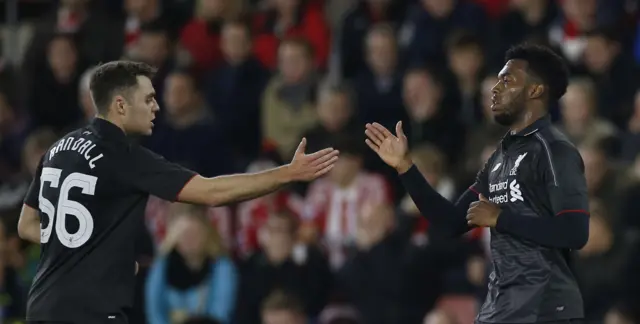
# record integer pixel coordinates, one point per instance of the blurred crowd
(240, 82)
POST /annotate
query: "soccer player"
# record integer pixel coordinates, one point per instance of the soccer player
(531, 193)
(91, 188)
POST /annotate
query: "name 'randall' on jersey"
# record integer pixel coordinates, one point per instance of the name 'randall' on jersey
(80, 145)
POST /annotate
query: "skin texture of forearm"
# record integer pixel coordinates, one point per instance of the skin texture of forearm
(230, 189)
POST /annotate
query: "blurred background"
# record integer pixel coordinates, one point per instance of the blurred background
(241, 81)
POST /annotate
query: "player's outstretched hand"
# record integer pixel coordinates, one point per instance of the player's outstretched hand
(306, 167)
(392, 149)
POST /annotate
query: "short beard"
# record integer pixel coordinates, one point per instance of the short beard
(512, 113)
(505, 119)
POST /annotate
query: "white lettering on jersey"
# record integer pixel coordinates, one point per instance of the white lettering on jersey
(80, 145)
(58, 213)
(493, 187)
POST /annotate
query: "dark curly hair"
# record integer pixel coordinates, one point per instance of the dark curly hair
(544, 64)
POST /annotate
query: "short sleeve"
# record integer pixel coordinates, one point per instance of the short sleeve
(33, 195)
(563, 174)
(153, 174)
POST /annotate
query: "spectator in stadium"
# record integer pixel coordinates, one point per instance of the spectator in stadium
(577, 19)
(14, 188)
(430, 117)
(282, 308)
(488, 131)
(155, 47)
(187, 127)
(388, 279)
(379, 87)
(439, 317)
(99, 37)
(580, 121)
(603, 179)
(286, 19)
(614, 73)
(252, 215)
(288, 102)
(465, 57)
(192, 277)
(334, 202)
(339, 314)
(429, 23)
(621, 315)
(140, 13)
(335, 117)
(233, 91)
(600, 263)
(431, 163)
(631, 136)
(201, 36)
(526, 20)
(282, 264)
(86, 102)
(13, 131)
(630, 199)
(53, 88)
(12, 295)
(158, 218)
(354, 29)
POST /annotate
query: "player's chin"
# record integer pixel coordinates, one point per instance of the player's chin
(503, 118)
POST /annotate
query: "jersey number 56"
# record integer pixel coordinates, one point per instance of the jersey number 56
(65, 207)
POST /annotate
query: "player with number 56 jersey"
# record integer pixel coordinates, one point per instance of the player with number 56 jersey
(86, 203)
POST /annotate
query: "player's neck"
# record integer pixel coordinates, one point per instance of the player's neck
(113, 121)
(528, 117)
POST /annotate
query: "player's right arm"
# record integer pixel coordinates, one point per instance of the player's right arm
(169, 181)
(29, 224)
(448, 219)
(29, 221)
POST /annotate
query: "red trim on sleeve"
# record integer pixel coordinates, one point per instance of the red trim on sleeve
(474, 190)
(185, 184)
(31, 206)
(573, 211)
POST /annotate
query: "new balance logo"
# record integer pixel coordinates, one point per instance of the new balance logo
(515, 192)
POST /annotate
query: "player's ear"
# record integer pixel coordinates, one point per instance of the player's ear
(536, 91)
(120, 104)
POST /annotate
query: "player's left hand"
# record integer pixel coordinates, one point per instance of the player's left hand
(483, 213)
(307, 167)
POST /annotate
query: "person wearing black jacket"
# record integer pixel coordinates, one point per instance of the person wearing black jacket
(531, 193)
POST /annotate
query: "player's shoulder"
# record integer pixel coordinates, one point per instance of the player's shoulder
(556, 145)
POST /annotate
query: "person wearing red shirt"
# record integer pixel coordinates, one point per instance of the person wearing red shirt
(287, 19)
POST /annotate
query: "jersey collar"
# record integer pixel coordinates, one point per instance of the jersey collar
(537, 125)
(108, 130)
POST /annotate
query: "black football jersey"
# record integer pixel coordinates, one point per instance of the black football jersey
(534, 173)
(91, 189)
